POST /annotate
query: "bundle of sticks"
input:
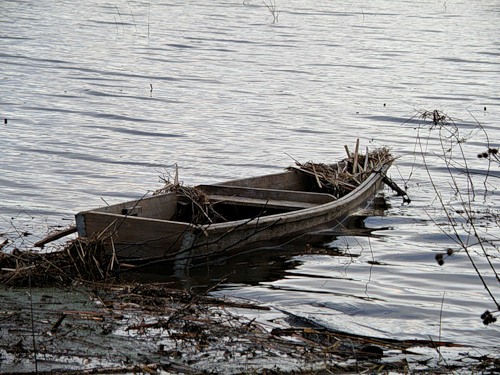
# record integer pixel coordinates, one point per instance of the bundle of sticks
(343, 177)
(79, 259)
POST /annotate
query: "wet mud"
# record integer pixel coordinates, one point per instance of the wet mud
(153, 328)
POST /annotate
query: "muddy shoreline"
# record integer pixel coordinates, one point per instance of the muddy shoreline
(153, 328)
(55, 321)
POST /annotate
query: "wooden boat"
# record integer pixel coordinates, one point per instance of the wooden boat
(245, 213)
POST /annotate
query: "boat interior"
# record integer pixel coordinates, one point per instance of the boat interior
(232, 200)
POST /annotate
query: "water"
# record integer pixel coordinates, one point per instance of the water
(101, 97)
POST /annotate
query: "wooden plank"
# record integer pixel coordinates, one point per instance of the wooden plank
(284, 181)
(131, 226)
(135, 236)
(161, 206)
(257, 202)
(56, 236)
(267, 194)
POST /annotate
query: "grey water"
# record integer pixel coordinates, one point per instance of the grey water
(98, 99)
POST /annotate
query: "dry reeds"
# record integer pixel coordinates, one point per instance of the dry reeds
(341, 178)
(194, 206)
(84, 259)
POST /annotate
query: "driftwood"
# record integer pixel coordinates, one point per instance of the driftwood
(56, 236)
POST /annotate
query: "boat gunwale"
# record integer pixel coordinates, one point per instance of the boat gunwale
(305, 212)
(295, 215)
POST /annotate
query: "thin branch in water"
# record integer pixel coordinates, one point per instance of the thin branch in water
(271, 7)
(149, 14)
(454, 158)
(132, 14)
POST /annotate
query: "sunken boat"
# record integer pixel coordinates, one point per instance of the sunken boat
(188, 223)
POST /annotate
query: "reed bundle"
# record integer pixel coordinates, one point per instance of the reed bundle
(343, 177)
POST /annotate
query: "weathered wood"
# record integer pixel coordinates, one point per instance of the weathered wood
(160, 206)
(257, 202)
(402, 193)
(266, 194)
(316, 177)
(56, 236)
(347, 151)
(281, 181)
(134, 236)
(300, 210)
(355, 159)
(367, 159)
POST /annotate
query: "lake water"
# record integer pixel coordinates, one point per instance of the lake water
(98, 99)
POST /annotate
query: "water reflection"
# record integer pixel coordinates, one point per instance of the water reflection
(265, 264)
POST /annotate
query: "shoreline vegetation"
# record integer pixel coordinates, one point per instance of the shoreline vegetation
(60, 316)
(467, 213)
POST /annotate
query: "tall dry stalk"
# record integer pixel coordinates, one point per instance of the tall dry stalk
(469, 218)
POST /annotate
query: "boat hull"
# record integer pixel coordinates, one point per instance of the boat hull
(142, 230)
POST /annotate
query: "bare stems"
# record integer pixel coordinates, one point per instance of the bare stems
(465, 215)
(271, 7)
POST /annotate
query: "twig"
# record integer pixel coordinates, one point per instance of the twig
(317, 178)
(449, 132)
(347, 151)
(271, 6)
(57, 323)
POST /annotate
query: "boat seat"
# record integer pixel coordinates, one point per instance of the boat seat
(256, 202)
(258, 197)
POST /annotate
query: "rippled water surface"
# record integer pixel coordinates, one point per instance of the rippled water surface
(97, 98)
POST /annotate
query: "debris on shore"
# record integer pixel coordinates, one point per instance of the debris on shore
(79, 259)
(153, 328)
